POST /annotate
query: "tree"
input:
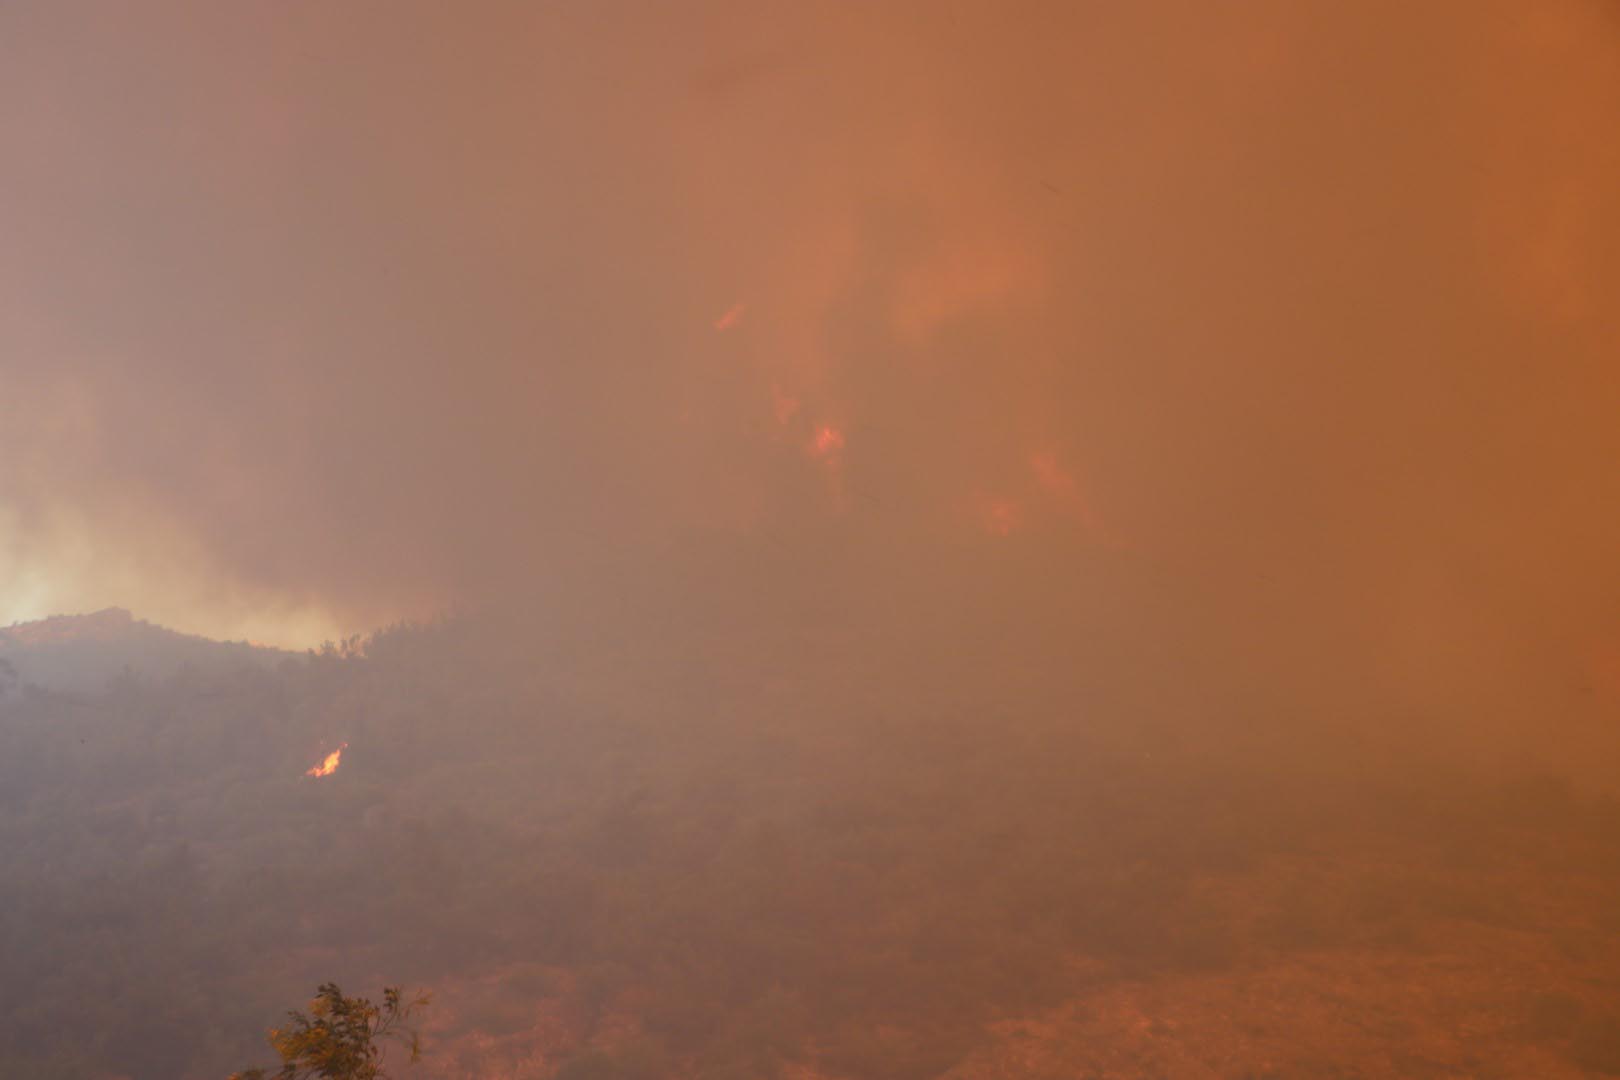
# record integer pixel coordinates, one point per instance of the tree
(341, 1038)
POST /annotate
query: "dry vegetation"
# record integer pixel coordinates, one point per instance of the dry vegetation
(639, 886)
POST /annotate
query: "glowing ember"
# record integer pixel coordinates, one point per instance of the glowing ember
(731, 318)
(828, 441)
(329, 764)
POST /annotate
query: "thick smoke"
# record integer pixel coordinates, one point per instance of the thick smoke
(1259, 360)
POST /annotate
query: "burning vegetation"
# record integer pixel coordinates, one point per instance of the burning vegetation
(329, 764)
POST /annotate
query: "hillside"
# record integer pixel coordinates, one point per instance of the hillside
(666, 873)
(80, 652)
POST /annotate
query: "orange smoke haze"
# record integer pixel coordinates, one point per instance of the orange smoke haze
(1062, 487)
(1001, 517)
(784, 406)
(1280, 336)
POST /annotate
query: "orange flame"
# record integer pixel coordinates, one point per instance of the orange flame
(329, 764)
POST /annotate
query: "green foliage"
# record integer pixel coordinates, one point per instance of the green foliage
(341, 1038)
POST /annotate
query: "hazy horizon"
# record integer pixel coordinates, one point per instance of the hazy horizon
(863, 518)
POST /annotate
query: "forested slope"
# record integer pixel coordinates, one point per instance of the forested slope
(637, 863)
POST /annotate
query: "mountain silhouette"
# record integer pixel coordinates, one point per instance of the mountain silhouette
(75, 652)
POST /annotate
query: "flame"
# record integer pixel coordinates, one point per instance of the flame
(329, 764)
(731, 318)
(828, 441)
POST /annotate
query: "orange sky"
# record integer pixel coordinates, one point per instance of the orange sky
(1287, 325)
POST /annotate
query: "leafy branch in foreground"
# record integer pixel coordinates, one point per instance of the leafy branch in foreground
(341, 1037)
